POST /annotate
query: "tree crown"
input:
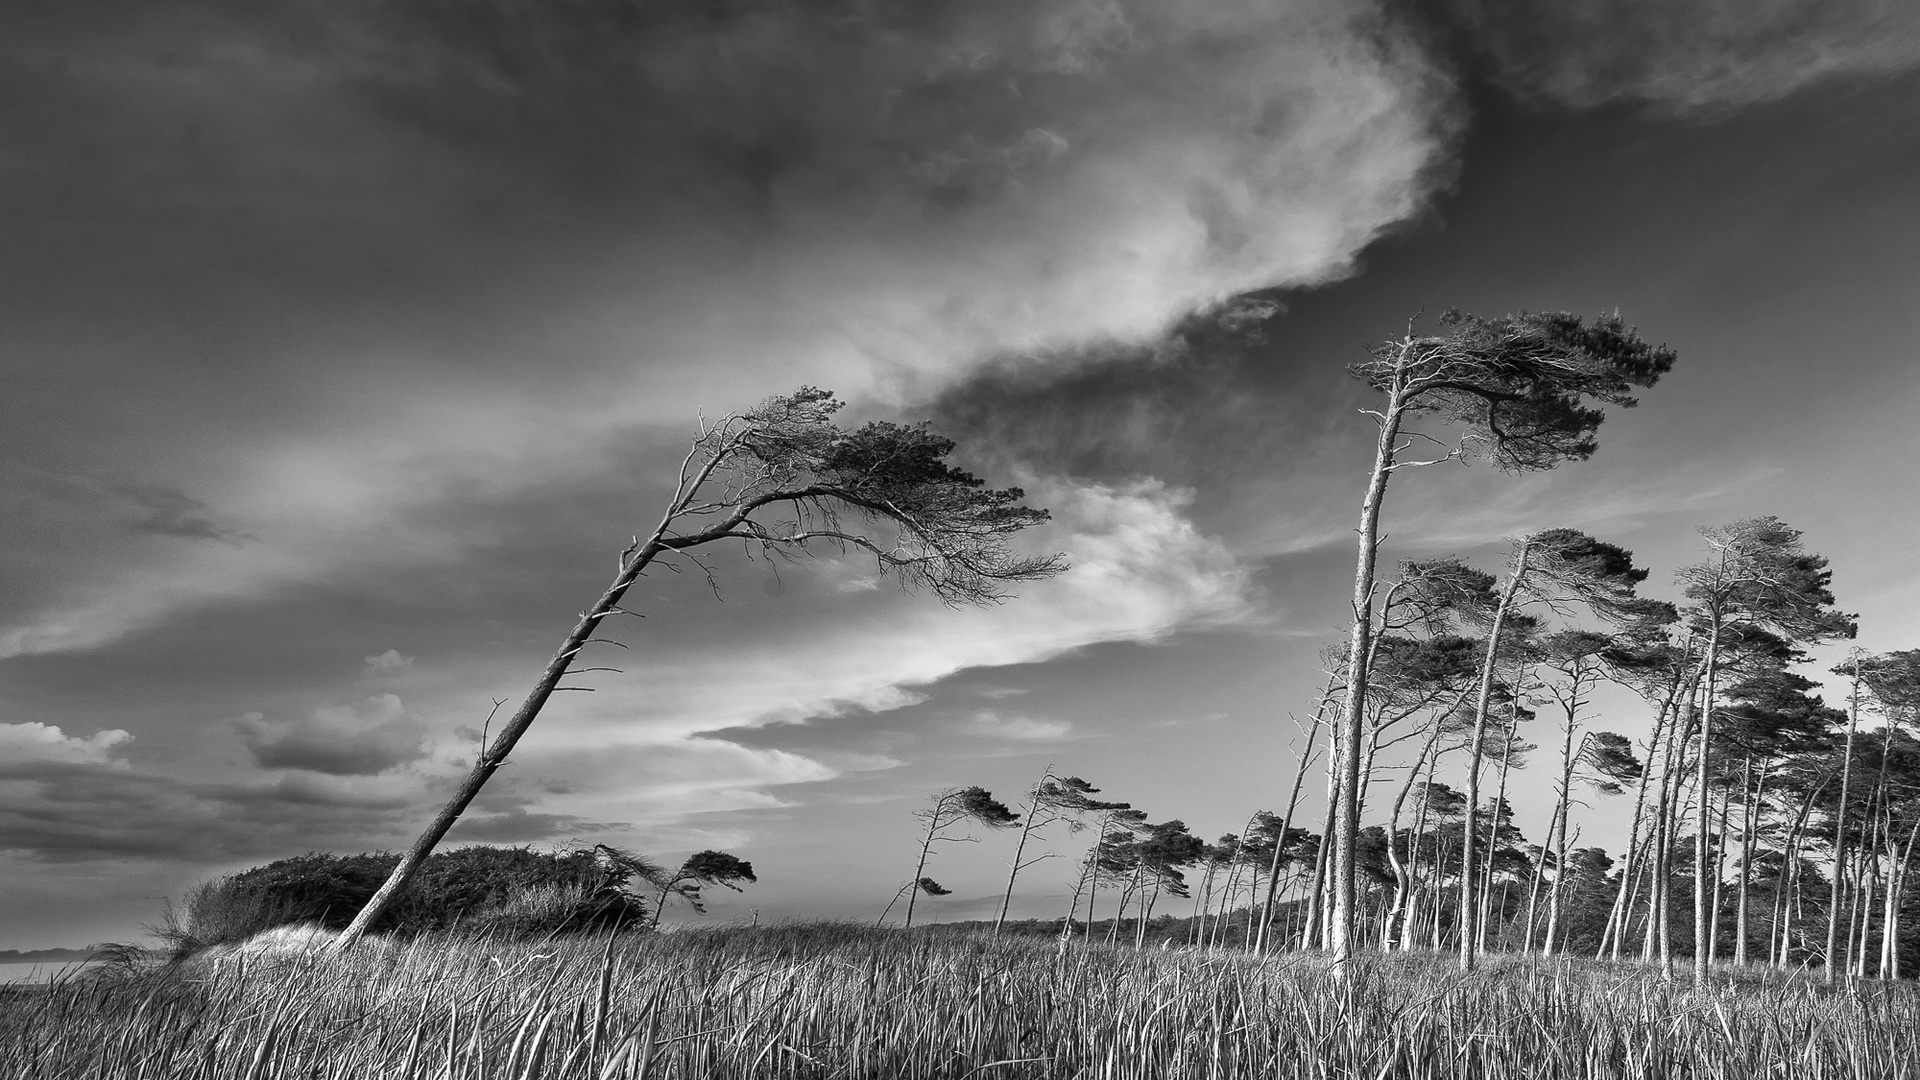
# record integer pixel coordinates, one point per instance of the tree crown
(942, 528)
(1520, 384)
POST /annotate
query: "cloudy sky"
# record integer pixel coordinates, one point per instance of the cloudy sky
(345, 344)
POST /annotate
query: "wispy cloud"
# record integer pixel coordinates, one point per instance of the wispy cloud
(1687, 54)
(670, 211)
(995, 725)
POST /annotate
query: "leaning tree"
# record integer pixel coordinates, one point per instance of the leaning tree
(1523, 388)
(783, 476)
(1757, 576)
(1555, 567)
(949, 810)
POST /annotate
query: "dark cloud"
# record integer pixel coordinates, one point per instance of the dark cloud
(78, 811)
(1181, 406)
(363, 739)
(349, 150)
(172, 512)
(1684, 55)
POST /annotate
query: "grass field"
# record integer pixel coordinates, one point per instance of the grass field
(835, 1001)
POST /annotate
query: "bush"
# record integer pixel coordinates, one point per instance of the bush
(511, 892)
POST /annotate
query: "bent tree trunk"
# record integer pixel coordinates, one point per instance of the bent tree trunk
(1703, 888)
(1264, 936)
(1353, 718)
(1469, 862)
(1026, 830)
(1840, 828)
(495, 755)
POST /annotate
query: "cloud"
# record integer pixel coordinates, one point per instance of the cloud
(34, 741)
(1141, 571)
(1188, 721)
(362, 739)
(1018, 728)
(388, 662)
(66, 811)
(171, 512)
(650, 746)
(519, 825)
(359, 225)
(1687, 55)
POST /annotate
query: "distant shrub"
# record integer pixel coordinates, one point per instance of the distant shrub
(502, 891)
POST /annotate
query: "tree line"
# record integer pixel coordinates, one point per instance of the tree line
(1734, 860)
(1744, 766)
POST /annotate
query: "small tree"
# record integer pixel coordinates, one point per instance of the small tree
(784, 477)
(1114, 829)
(1520, 386)
(1053, 799)
(702, 868)
(949, 810)
(1554, 566)
(1603, 759)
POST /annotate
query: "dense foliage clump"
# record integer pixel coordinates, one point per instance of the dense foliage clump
(500, 891)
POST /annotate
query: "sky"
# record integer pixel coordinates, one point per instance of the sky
(346, 344)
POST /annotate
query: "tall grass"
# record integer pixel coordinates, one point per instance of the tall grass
(833, 1001)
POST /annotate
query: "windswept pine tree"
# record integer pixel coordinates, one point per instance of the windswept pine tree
(1555, 567)
(783, 477)
(702, 868)
(1603, 759)
(950, 810)
(1054, 799)
(1523, 390)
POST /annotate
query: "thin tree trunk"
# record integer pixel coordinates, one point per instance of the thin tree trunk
(1840, 826)
(1895, 894)
(1754, 801)
(1202, 906)
(1131, 892)
(1889, 904)
(1286, 823)
(1675, 782)
(1226, 903)
(1623, 930)
(1026, 829)
(1146, 912)
(1402, 884)
(1353, 719)
(1618, 918)
(920, 869)
(1093, 883)
(632, 566)
(1534, 884)
(1562, 804)
(1315, 935)
(1469, 935)
(1413, 860)
(1863, 910)
(1500, 816)
(1719, 870)
(1073, 905)
(1555, 892)
(1703, 890)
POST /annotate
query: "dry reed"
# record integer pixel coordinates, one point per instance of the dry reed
(834, 1001)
